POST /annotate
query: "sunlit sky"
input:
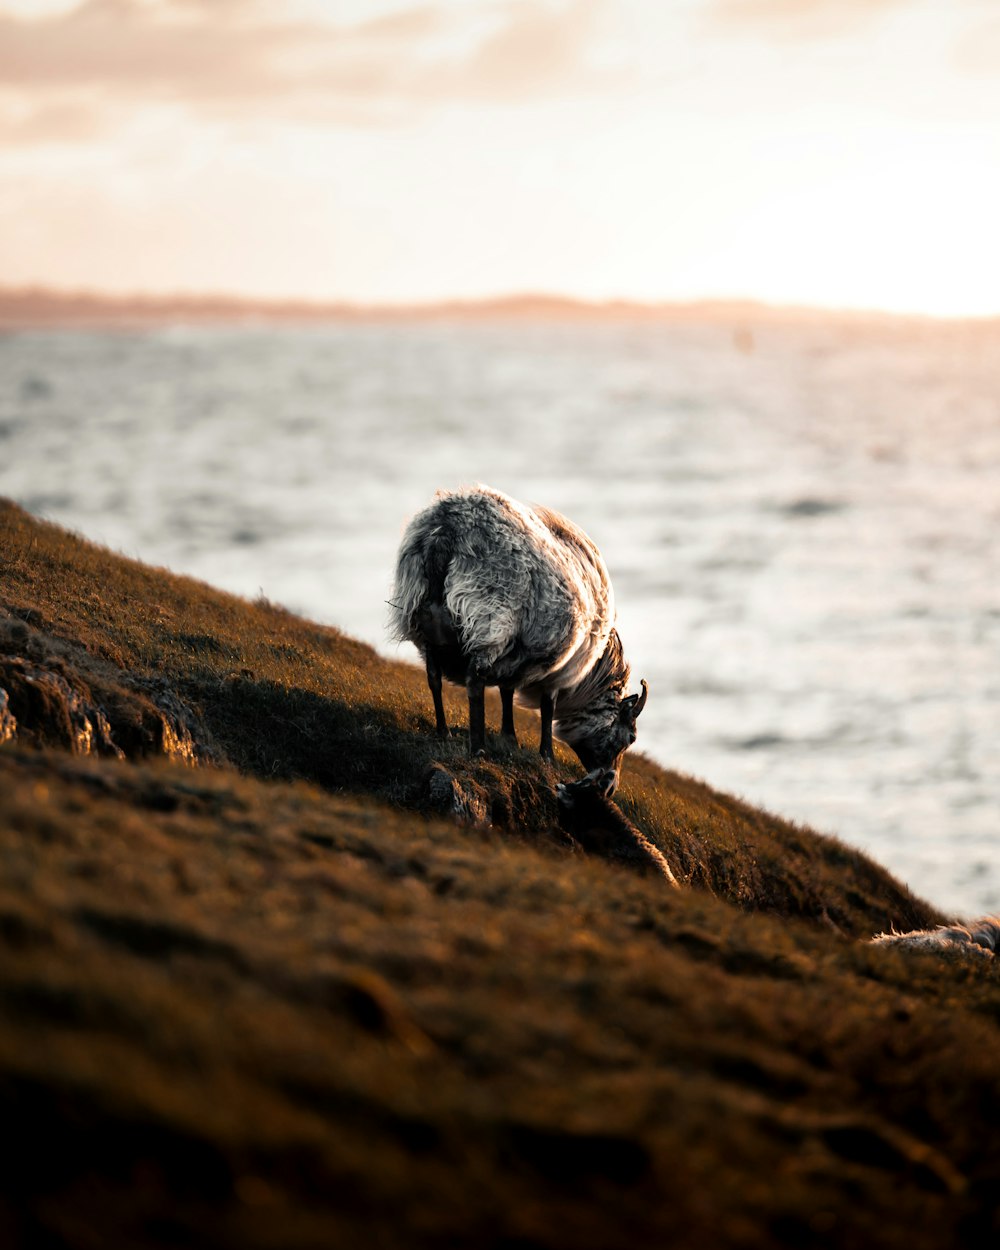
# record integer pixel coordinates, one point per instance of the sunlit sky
(826, 152)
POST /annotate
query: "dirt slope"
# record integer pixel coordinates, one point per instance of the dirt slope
(255, 990)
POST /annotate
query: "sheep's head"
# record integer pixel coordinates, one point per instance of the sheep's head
(603, 735)
(601, 782)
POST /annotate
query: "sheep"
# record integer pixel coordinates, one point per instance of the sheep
(494, 593)
(588, 813)
(978, 937)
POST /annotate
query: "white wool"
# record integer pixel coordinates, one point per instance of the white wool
(980, 937)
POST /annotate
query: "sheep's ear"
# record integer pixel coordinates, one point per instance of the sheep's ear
(563, 794)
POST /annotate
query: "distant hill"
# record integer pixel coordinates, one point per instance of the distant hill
(26, 307)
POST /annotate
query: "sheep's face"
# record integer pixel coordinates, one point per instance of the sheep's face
(602, 745)
(601, 751)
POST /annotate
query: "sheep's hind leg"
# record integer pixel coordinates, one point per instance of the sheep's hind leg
(507, 701)
(477, 715)
(434, 681)
(547, 709)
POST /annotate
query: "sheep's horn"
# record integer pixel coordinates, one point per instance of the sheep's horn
(642, 700)
(633, 705)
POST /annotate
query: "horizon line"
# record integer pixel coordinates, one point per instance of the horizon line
(39, 305)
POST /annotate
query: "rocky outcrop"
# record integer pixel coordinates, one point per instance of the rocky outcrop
(8, 725)
(457, 796)
(51, 697)
(42, 709)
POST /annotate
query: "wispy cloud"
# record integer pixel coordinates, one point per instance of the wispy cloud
(978, 51)
(799, 19)
(66, 73)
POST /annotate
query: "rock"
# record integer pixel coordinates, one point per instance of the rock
(459, 797)
(43, 707)
(48, 711)
(8, 722)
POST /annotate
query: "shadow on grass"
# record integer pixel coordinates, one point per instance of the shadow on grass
(287, 733)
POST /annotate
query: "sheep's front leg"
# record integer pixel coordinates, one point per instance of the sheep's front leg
(434, 681)
(477, 715)
(547, 709)
(507, 726)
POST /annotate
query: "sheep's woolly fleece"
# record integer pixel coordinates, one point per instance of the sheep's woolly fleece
(978, 937)
(525, 589)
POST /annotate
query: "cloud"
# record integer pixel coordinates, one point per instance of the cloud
(175, 47)
(799, 19)
(535, 48)
(978, 53)
(251, 58)
(24, 125)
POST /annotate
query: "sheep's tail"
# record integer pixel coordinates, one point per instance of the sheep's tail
(420, 574)
(409, 594)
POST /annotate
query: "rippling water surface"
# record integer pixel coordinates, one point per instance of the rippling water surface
(803, 529)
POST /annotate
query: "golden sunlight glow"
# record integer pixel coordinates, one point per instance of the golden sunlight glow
(911, 235)
(378, 150)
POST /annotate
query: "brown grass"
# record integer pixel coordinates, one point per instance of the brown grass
(248, 1012)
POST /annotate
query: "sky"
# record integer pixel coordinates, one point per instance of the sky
(839, 153)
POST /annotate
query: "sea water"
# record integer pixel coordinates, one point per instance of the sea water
(802, 521)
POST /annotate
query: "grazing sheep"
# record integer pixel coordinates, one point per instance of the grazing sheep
(588, 813)
(494, 593)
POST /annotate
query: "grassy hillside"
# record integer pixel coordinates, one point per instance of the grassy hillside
(279, 999)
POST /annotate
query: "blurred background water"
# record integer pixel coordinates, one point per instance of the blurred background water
(801, 523)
